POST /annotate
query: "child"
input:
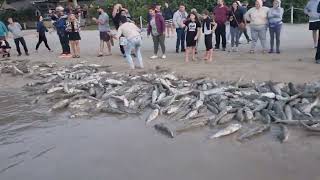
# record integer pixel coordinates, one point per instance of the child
(73, 28)
(5, 48)
(208, 27)
(193, 27)
(42, 29)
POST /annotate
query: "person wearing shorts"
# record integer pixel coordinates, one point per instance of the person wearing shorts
(208, 27)
(104, 30)
(314, 19)
(193, 28)
(168, 15)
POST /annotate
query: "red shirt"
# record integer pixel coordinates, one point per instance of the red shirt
(221, 14)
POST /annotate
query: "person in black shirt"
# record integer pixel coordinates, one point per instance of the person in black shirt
(208, 27)
(193, 28)
(116, 14)
(42, 29)
(168, 15)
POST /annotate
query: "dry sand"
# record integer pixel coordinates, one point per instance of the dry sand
(295, 63)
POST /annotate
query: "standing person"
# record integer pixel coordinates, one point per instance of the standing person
(73, 29)
(236, 20)
(314, 19)
(60, 23)
(244, 8)
(42, 29)
(258, 24)
(132, 33)
(221, 13)
(3, 31)
(199, 17)
(168, 15)
(16, 30)
(116, 14)
(275, 23)
(208, 27)
(104, 30)
(179, 17)
(193, 34)
(157, 29)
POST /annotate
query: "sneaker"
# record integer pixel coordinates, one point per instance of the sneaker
(271, 51)
(154, 57)
(183, 50)
(216, 48)
(27, 54)
(317, 61)
(163, 56)
(177, 50)
(224, 49)
(19, 54)
(278, 52)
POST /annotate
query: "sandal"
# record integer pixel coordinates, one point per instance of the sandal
(74, 56)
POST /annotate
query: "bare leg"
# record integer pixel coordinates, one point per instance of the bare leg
(109, 47)
(187, 54)
(210, 55)
(78, 48)
(101, 47)
(193, 53)
(72, 44)
(206, 56)
(315, 37)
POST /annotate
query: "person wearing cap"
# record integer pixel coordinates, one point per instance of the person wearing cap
(60, 23)
(275, 23)
(221, 13)
(258, 17)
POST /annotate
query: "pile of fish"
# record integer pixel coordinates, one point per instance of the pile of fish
(175, 104)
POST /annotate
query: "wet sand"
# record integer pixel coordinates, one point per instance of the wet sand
(52, 146)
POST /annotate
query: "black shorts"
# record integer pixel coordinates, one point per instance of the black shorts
(314, 25)
(190, 41)
(208, 41)
(74, 36)
(104, 36)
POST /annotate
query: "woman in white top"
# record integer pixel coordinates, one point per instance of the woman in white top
(258, 24)
(132, 34)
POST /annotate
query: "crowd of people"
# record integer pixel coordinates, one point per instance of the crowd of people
(189, 27)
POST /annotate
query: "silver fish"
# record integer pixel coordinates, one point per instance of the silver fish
(153, 115)
(61, 104)
(226, 119)
(253, 132)
(154, 96)
(114, 82)
(269, 95)
(248, 114)
(232, 128)
(161, 96)
(288, 112)
(283, 136)
(307, 108)
(54, 89)
(191, 114)
(162, 128)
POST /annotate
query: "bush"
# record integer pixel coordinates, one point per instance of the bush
(21, 16)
